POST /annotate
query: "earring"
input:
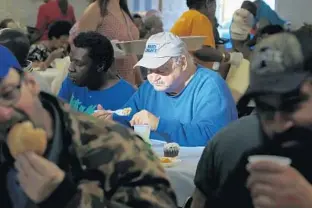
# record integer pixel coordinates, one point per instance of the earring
(101, 68)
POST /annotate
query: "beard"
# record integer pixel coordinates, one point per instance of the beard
(297, 136)
(17, 117)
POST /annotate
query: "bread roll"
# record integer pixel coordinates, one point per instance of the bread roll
(24, 137)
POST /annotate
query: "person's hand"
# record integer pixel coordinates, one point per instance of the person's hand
(103, 114)
(145, 118)
(58, 53)
(236, 58)
(272, 185)
(38, 177)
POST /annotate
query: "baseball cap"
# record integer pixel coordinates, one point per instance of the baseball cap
(240, 29)
(7, 61)
(250, 6)
(278, 66)
(160, 48)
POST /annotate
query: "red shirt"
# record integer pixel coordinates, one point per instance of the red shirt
(50, 12)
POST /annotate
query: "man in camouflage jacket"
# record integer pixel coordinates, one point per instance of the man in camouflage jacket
(88, 163)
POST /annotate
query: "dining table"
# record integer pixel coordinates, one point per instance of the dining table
(182, 174)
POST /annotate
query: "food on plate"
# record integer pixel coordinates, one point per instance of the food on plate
(169, 162)
(126, 111)
(24, 137)
(166, 160)
(171, 150)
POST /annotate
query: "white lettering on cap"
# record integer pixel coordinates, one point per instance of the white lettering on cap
(152, 48)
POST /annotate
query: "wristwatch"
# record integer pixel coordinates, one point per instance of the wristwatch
(226, 57)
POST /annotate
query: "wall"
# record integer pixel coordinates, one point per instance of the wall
(297, 12)
(26, 10)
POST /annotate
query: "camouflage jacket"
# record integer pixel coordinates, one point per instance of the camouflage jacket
(113, 166)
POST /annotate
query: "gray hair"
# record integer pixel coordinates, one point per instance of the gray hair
(152, 21)
(177, 60)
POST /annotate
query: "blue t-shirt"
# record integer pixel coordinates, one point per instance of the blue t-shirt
(191, 118)
(264, 11)
(84, 100)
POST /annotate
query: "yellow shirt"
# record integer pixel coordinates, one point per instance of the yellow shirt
(194, 23)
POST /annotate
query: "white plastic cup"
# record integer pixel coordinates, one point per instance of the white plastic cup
(283, 161)
(144, 131)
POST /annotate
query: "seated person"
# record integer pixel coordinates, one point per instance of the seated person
(240, 29)
(72, 160)
(10, 23)
(264, 11)
(90, 82)
(18, 43)
(197, 21)
(182, 102)
(152, 25)
(42, 54)
(280, 85)
(138, 21)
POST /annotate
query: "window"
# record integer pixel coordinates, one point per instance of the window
(226, 8)
(171, 12)
(142, 5)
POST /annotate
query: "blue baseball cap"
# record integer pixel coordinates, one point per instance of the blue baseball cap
(7, 61)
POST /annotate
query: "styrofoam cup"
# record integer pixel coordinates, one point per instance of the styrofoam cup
(144, 131)
(284, 161)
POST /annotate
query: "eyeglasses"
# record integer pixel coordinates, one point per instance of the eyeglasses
(12, 96)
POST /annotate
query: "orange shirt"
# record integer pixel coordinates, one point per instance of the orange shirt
(194, 23)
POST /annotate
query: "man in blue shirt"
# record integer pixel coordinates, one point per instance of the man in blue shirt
(182, 102)
(90, 84)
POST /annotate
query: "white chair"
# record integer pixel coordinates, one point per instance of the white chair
(57, 82)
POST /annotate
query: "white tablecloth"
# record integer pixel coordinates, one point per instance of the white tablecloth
(49, 74)
(182, 175)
